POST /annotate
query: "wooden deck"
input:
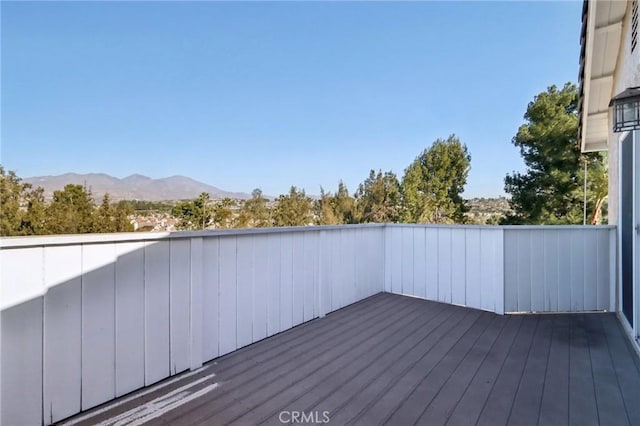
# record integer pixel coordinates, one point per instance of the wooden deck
(399, 360)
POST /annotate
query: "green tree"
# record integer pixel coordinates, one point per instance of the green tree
(222, 214)
(324, 209)
(432, 185)
(194, 214)
(112, 218)
(71, 211)
(293, 209)
(344, 205)
(336, 209)
(21, 206)
(34, 218)
(254, 212)
(551, 189)
(378, 198)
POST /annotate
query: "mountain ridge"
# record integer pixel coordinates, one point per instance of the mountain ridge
(133, 187)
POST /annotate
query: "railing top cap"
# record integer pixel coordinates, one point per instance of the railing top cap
(62, 240)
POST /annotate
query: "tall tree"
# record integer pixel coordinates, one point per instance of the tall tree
(345, 205)
(336, 209)
(112, 218)
(551, 189)
(293, 209)
(378, 198)
(432, 185)
(194, 214)
(254, 212)
(324, 209)
(71, 211)
(21, 206)
(222, 214)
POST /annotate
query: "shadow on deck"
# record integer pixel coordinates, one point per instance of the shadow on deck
(399, 360)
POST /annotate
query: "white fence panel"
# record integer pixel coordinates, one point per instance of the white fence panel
(97, 317)
(210, 298)
(462, 265)
(557, 268)
(156, 308)
(62, 332)
(298, 280)
(98, 324)
(260, 286)
(129, 317)
(228, 292)
(244, 289)
(180, 305)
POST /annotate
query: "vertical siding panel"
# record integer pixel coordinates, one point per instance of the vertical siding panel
(396, 259)
(228, 295)
(244, 280)
(590, 269)
(538, 268)
(98, 324)
(129, 317)
(577, 270)
(602, 296)
(211, 303)
(21, 377)
(492, 269)
(458, 266)
(298, 278)
(444, 265)
(551, 283)
(348, 238)
(62, 326)
(524, 270)
(388, 256)
(474, 257)
(324, 273)
(360, 254)
(498, 268)
(16, 286)
(406, 260)
(286, 282)
(336, 283)
(180, 304)
(310, 274)
(419, 265)
(196, 297)
(273, 277)
(510, 270)
(378, 273)
(156, 300)
(260, 286)
(431, 262)
(564, 270)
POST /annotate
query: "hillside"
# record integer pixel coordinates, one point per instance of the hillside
(134, 187)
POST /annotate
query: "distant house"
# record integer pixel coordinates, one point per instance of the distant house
(609, 67)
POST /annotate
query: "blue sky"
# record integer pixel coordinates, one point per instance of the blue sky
(252, 94)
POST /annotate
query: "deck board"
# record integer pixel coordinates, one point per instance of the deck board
(399, 360)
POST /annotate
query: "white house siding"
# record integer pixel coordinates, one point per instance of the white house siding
(627, 74)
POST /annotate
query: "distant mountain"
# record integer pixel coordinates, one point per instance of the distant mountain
(134, 187)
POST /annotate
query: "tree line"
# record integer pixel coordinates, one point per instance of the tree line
(550, 191)
(429, 192)
(23, 210)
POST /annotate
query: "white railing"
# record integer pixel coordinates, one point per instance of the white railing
(86, 319)
(462, 265)
(559, 268)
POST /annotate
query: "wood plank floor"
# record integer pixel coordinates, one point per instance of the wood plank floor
(401, 361)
